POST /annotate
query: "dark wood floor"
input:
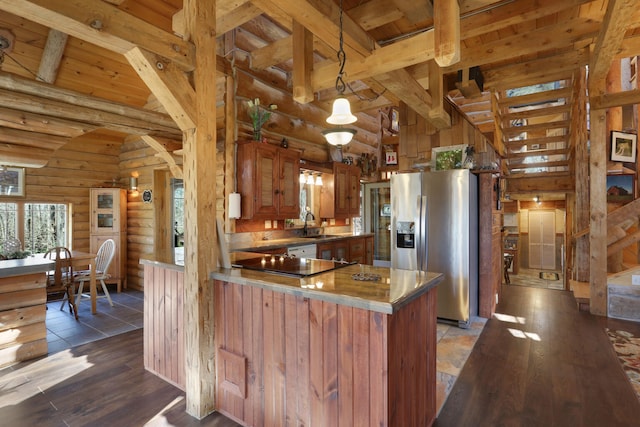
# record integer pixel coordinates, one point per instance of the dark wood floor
(541, 362)
(102, 383)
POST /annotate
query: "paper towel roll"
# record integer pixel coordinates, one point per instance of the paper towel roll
(234, 205)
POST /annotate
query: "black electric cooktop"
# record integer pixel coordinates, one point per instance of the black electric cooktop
(289, 266)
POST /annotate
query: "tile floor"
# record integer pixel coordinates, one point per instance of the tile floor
(63, 331)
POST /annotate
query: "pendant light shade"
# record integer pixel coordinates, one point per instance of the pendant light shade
(341, 114)
(338, 136)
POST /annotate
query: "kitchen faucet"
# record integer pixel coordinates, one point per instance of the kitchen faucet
(305, 230)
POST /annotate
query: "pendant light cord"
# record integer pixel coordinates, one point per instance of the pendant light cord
(342, 59)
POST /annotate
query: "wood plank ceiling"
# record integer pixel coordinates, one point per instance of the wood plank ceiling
(79, 50)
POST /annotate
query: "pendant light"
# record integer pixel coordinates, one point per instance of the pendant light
(341, 112)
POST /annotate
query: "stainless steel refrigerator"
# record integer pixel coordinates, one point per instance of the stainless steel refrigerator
(434, 227)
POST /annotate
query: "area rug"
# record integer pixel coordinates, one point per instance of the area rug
(549, 276)
(627, 348)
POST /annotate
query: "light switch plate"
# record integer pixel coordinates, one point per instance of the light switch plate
(635, 279)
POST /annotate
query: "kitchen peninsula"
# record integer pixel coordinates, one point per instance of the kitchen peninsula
(324, 349)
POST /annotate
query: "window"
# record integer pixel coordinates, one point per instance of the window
(39, 226)
(177, 194)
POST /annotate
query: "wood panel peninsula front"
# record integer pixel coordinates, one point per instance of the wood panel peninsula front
(326, 350)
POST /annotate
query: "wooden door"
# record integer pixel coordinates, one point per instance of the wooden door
(341, 250)
(542, 244)
(105, 210)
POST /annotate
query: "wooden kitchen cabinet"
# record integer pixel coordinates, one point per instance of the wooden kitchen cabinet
(490, 248)
(268, 181)
(340, 193)
(368, 250)
(109, 221)
(357, 250)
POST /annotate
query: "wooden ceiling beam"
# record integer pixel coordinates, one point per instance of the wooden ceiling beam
(505, 49)
(20, 85)
(375, 13)
(104, 25)
(30, 139)
(609, 100)
(24, 157)
(617, 19)
(51, 56)
(15, 119)
(415, 11)
(322, 19)
(168, 84)
(410, 51)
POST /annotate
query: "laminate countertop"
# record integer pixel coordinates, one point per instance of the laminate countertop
(393, 288)
(21, 267)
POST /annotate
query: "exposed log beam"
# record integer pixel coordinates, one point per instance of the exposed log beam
(51, 56)
(154, 121)
(119, 123)
(41, 123)
(438, 117)
(104, 25)
(24, 157)
(168, 84)
(516, 46)
(164, 148)
(375, 13)
(415, 11)
(401, 54)
(608, 100)
(322, 19)
(617, 18)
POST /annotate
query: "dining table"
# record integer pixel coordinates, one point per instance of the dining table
(87, 260)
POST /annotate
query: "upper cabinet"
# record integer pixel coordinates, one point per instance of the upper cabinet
(268, 181)
(108, 210)
(340, 194)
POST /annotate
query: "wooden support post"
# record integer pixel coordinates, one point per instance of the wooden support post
(598, 213)
(200, 211)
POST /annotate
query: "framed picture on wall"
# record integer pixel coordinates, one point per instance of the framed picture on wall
(12, 182)
(620, 188)
(623, 147)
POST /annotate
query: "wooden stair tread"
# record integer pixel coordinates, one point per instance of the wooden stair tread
(581, 293)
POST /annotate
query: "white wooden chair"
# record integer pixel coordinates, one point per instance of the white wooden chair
(104, 257)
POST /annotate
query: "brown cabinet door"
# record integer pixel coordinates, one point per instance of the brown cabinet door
(325, 250)
(341, 190)
(368, 250)
(357, 250)
(353, 196)
(288, 184)
(341, 250)
(266, 181)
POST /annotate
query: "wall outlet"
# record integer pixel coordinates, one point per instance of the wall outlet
(496, 299)
(267, 224)
(635, 279)
(275, 223)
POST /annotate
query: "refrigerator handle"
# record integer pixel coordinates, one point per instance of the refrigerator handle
(421, 233)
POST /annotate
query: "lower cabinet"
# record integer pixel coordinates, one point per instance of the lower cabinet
(352, 249)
